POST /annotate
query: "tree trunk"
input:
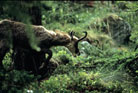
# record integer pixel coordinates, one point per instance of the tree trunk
(30, 60)
(35, 13)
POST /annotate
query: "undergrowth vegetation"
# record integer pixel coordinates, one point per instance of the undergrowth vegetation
(105, 67)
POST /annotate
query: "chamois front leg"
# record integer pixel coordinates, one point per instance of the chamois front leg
(43, 68)
(46, 60)
(49, 52)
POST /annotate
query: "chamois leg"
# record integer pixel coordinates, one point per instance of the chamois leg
(26, 59)
(37, 58)
(43, 69)
(49, 52)
(19, 58)
(46, 60)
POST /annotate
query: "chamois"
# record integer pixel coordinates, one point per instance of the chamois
(46, 38)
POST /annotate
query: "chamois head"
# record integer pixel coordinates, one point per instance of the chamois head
(73, 45)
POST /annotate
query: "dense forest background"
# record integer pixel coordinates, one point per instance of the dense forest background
(108, 62)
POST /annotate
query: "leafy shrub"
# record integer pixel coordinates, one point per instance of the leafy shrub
(78, 82)
(15, 81)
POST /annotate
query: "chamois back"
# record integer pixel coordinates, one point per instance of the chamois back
(46, 37)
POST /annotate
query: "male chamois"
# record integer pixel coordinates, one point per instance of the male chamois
(16, 32)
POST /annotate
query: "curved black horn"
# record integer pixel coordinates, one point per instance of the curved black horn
(76, 44)
(83, 36)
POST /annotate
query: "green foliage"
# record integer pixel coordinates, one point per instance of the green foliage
(134, 36)
(7, 60)
(130, 14)
(68, 16)
(113, 63)
(15, 81)
(64, 12)
(79, 82)
(109, 70)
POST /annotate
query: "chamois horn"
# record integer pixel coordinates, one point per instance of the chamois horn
(83, 36)
(76, 44)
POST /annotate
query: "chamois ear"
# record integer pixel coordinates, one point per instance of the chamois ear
(71, 34)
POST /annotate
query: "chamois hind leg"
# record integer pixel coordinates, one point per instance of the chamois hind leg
(3, 50)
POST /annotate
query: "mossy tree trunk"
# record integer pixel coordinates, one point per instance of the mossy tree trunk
(26, 59)
(30, 60)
